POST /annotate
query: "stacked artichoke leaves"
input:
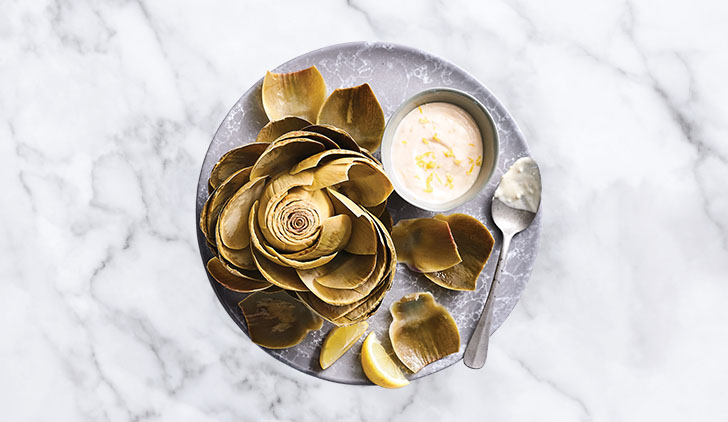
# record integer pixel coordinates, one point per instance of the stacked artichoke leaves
(301, 208)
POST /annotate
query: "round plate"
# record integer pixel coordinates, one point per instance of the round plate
(395, 73)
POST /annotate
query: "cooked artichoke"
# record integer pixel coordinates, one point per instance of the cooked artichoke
(425, 244)
(301, 211)
(422, 331)
(276, 320)
(475, 243)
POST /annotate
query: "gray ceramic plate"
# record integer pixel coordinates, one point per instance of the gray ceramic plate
(395, 73)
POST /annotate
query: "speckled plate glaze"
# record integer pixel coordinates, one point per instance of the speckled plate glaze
(395, 73)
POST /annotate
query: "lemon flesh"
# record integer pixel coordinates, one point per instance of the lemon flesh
(378, 365)
(338, 341)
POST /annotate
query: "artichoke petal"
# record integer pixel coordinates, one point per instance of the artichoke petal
(277, 320)
(378, 209)
(336, 296)
(475, 243)
(298, 94)
(333, 237)
(284, 154)
(275, 128)
(328, 155)
(233, 222)
(422, 331)
(357, 111)
(363, 240)
(312, 136)
(236, 282)
(241, 258)
(280, 275)
(425, 244)
(368, 185)
(368, 306)
(346, 271)
(218, 198)
(386, 219)
(234, 160)
(326, 310)
(339, 136)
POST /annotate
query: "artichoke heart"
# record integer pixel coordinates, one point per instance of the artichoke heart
(475, 243)
(422, 331)
(277, 320)
(425, 244)
(298, 94)
(357, 111)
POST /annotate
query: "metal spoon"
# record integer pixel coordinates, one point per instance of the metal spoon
(510, 221)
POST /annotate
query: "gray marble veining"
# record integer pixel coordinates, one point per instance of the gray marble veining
(106, 112)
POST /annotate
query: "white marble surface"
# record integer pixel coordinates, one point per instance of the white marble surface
(107, 108)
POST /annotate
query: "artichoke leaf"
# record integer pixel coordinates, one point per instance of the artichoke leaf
(367, 185)
(369, 306)
(277, 320)
(325, 310)
(425, 244)
(236, 282)
(378, 209)
(233, 222)
(298, 94)
(218, 198)
(422, 331)
(311, 136)
(339, 136)
(475, 244)
(336, 296)
(283, 155)
(234, 160)
(363, 240)
(387, 221)
(346, 271)
(241, 258)
(357, 111)
(275, 128)
(325, 156)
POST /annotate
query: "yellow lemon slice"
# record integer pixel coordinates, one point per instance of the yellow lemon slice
(378, 366)
(338, 341)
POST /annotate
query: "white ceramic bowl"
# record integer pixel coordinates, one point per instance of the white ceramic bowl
(488, 133)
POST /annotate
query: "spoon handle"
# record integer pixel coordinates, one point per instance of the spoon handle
(477, 349)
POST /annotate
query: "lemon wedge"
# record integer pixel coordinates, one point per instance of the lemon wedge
(379, 366)
(338, 341)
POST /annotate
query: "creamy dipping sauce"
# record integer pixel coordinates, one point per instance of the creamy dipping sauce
(520, 186)
(437, 152)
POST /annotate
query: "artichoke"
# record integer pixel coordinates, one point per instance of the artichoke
(451, 250)
(300, 207)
